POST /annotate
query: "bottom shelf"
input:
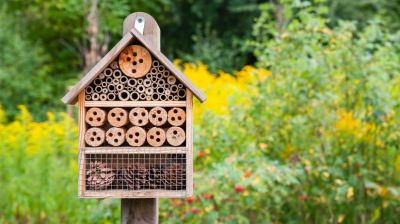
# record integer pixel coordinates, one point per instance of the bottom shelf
(133, 175)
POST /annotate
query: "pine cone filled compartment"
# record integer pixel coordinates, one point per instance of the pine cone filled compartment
(135, 172)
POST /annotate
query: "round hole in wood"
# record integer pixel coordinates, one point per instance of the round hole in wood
(130, 136)
(92, 139)
(140, 60)
(158, 133)
(134, 53)
(151, 137)
(128, 58)
(158, 140)
(134, 63)
(136, 141)
(98, 138)
(94, 133)
(112, 114)
(135, 114)
(94, 113)
(137, 134)
(133, 70)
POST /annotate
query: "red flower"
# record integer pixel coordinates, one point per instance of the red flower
(202, 154)
(190, 199)
(178, 203)
(208, 196)
(195, 210)
(239, 188)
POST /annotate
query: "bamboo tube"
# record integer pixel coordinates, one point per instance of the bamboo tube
(134, 96)
(117, 117)
(119, 87)
(180, 86)
(103, 97)
(98, 89)
(182, 93)
(111, 96)
(142, 96)
(171, 80)
(95, 96)
(176, 98)
(140, 81)
(163, 97)
(167, 86)
(156, 63)
(153, 71)
(149, 75)
(115, 136)
(139, 116)
(115, 81)
(161, 69)
(97, 81)
(89, 90)
(95, 117)
(117, 73)
(101, 76)
(175, 136)
(114, 65)
(123, 79)
(103, 90)
(109, 80)
(176, 116)
(160, 90)
(154, 85)
(94, 137)
(155, 97)
(170, 97)
(129, 89)
(148, 91)
(140, 88)
(174, 88)
(132, 82)
(161, 82)
(147, 83)
(158, 116)
(153, 79)
(108, 72)
(167, 92)
(156, 137)
(166, 74)
(111, 88)
(103, 84)
(136, 136)
(148, 97)
(159, 75)
(123, 95)
(88, 97)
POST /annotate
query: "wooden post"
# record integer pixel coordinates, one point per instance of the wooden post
(144, 210)
(139, 211)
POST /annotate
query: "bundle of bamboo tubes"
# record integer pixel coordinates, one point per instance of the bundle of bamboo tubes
(158, 84)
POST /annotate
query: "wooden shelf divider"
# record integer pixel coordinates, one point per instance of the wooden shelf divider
(134, 150)
(135, 103)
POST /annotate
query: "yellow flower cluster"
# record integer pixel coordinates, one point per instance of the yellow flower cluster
(219, 87)
(32, 137)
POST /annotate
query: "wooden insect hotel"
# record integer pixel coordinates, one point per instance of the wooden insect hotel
(135, 120)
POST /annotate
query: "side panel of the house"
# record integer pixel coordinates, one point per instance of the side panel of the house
(81, 142)
(189, 143)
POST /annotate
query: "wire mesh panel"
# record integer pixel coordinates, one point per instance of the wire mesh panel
(133, 172)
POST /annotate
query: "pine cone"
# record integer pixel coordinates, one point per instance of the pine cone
(175, 177)
(133, 177)
(99, 177)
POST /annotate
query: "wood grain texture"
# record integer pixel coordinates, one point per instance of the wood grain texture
(151, 31)
(189, 143)
(134, 150)
(135, 103)
(135, 61)
(71, 96)
(139, 211)
(81, 141)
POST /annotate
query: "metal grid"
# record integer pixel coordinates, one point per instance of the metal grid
(133, 172)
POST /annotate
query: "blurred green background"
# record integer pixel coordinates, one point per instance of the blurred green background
(301, 124)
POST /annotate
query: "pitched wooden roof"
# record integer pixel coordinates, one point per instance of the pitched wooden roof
(72, 95)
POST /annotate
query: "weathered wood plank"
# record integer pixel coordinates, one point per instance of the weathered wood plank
(134, 150)
(139, 211)
(151, 30)
(189, 143)
(135, 103)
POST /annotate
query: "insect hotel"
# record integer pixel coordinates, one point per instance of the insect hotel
(135, 120)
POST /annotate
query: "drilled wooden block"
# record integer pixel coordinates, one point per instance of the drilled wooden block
(158, 116)
(136, 136)
(95, 117)
(117, 117)
(139, 116)
(115, 136)
(94, 136)
(175, 136)
(135, 61)
(156, 137)
(176, 116)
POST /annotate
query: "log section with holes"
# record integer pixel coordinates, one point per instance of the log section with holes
(135, 126)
